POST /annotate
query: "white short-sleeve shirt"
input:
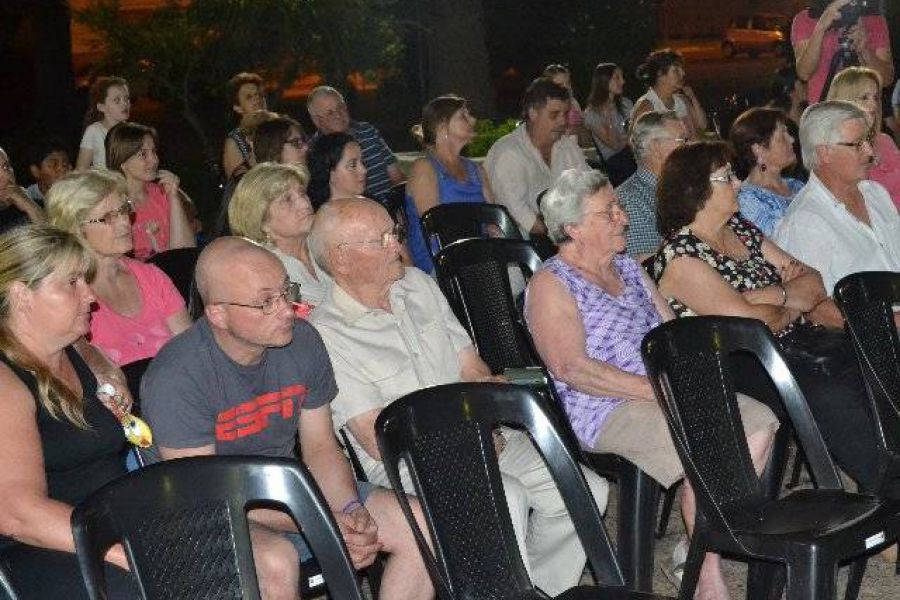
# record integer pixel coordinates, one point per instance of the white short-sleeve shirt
(94, 139)
(818, 230)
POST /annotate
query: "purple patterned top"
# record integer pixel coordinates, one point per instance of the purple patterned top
(614, 327)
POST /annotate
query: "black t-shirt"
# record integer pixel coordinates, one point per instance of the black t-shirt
(77, 461)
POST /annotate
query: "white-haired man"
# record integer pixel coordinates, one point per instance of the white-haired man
(389, 331)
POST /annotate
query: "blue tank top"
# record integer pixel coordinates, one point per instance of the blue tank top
(450, 190)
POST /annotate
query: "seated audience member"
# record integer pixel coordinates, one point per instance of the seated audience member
(788, 93)
(48, 160)
(16, 208)
(60, 440)
(329, 113)
(273, 138)
(389, 331)
(588, 309)
(559, 74)
(715, 262)
(816, 39)
(525, 162)
(663, 74)
(270, 207)
(249, 347)
(840, 222)
(606, 118)
(443, 175)
(763, 150)
(247, 95)
(137, 308)
(336, 168)
(280, 140)
(653, 137)
(863, 86)
(159, 222)
(109, 103)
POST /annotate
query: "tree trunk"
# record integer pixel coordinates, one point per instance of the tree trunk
(457, 55)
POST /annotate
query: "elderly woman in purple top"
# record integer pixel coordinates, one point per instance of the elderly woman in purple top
(588, 310)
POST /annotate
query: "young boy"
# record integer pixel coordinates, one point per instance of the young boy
(49, 159)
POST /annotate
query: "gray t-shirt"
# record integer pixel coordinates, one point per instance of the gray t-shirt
(194, 395)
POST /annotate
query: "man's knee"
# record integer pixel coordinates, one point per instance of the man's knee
(277, 563)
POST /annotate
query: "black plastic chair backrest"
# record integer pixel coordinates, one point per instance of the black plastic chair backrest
(184, 527)
(448, 223)
(687, 362)
(474, 274)
(179, 265)
(444, 434)
(866, 300)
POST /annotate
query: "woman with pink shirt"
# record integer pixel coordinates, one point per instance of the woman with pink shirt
(815, 35)
(137, 309)
(863, 86)
(159, 222)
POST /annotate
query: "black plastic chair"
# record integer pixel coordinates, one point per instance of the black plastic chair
(808, 531)
(448, 223)
(476, 554)
(395, 203)
(475, 275)
(184, 527)
(179, 265)
(7, 592)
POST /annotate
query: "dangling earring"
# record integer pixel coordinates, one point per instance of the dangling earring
(763, 167)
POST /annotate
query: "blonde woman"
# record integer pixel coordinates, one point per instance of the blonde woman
(862, 85)
(270, 206)
(138, 309)
(58, 441)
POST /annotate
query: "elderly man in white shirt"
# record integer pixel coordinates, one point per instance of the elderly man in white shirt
(527, 161)
(389, 331)
(840, 222)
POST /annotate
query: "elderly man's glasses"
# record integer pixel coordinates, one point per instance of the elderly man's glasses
(728, 177)
(290, 293)
(109, 218)
(334, 112)
(397, 234)
(859, 144)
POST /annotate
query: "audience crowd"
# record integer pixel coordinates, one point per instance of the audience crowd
(310, 295)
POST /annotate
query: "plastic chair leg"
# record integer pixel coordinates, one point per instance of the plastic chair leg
(854, 579)
(799, 461)
(811, 576)
(696, 554)
(666, 511)
(638, 501)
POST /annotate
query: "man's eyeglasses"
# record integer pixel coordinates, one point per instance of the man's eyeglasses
(334, 112)
(109, 218)
(298, 142)
(397, 234)
(290, 293)
(859, 144)
(728, 177)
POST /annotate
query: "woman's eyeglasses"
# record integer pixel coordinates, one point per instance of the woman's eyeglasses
(109, 218)
(298, 142)
(728, 177)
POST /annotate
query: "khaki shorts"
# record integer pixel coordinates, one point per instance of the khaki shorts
(638, 431)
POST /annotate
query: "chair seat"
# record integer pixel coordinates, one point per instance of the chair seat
(592, 592)
(806, 513)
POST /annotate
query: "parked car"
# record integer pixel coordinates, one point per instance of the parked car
(755, 34)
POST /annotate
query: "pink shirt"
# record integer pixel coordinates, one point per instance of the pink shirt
(150, 228)
(127, 339)
(802, 29)
(887, 171)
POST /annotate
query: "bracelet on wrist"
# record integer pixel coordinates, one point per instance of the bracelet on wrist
(351, 506)
(783, 294)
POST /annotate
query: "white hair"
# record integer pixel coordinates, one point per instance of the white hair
(820, 125)
(563, 204)
(322, 90)
(648, 127)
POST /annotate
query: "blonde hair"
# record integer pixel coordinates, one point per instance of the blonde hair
(29, 254)
(250, 202)
(74, 195)
(849, 84)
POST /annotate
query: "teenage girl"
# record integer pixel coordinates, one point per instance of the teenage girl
(109, 104)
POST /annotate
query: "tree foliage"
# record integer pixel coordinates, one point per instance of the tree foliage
(184, 52)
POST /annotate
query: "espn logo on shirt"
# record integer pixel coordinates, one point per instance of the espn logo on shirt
(251, 417)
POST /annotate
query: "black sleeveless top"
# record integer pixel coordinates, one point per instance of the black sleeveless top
(77, 461)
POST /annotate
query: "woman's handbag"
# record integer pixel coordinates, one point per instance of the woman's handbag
(826, 350)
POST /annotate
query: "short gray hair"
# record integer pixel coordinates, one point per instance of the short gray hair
(819, 126)
(322, 90)
(648, 127)
(563, 204)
